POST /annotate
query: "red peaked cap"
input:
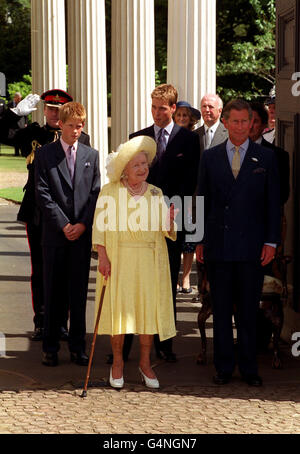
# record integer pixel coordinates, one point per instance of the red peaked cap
(56, 97)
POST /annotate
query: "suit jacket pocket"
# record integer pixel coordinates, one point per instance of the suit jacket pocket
(259, 170)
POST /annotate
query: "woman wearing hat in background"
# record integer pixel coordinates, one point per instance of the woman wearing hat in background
(138, 297)
(187, 117)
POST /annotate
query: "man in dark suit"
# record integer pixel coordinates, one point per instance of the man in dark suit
(212, 132)
(240, 185)
(67, 186)
(260, 122)
(269, 133)
(175, 172)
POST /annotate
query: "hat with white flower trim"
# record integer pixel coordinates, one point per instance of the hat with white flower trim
(118, 160)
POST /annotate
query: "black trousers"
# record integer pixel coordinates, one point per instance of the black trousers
(174, 252)
(66, 273)
(200, 275)
(239, 284)
(34, 235)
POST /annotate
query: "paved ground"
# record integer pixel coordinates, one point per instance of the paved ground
(35, 399)
(10, 179)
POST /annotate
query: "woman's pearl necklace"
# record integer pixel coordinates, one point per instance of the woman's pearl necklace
(132, 191)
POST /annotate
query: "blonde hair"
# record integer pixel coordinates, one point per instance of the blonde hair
(72, 110)
(166, 92)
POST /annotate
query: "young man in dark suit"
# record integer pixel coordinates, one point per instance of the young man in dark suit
(240, 185)
(67, 186)
(175, 172)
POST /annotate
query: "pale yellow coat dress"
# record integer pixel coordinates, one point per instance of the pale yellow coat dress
(138, 296)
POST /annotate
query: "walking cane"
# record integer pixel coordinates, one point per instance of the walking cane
(84, 392)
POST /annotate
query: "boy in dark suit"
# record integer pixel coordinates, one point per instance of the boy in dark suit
(28, 139)
(240, 185)
(67, 186)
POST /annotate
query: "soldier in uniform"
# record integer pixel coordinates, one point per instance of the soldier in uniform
(29, 140)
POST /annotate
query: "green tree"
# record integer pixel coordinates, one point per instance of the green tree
(15, 39)
(245, 48)
(24, 86)
(161, 38)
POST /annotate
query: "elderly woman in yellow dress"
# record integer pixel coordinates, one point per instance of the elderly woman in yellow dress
(130, 225)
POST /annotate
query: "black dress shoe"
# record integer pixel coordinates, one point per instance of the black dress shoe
(159, 354)
(79, 358)
(222, 378)
(186, 290)
(169, 357)
(64, 334)
(252, 379)
(109, 358)
(37, 335)
(49, 359)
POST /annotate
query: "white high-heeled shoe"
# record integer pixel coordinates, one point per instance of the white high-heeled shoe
(115, 382)
(149, 382)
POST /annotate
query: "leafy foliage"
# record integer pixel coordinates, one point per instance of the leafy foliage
(245, 48)
(161, 38)
(15, 38)
(24, 86)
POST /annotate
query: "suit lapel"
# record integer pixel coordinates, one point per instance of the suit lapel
(201, 140)
(62, 163)
(219, 136)
(225, 164)
(151, 132)
(174, 131)
(81, 162)
(249, 163)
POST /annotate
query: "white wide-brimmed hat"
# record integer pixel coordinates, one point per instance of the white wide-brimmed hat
(117, 161)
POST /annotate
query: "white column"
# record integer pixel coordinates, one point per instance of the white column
(87, 69)
(133, 67)
(192, 48)
(48, 49)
